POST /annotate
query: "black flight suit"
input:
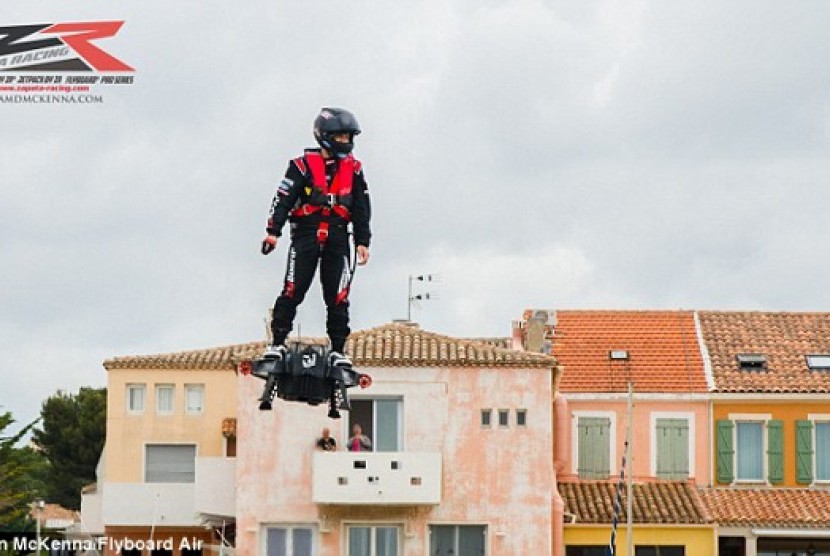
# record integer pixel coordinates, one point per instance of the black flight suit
(295, 190)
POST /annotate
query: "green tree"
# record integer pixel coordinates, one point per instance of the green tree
(22, 473)
(71, 438)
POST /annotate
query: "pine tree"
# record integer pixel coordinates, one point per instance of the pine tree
(21, 478)
(71, 438)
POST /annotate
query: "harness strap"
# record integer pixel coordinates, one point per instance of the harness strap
(341, 184)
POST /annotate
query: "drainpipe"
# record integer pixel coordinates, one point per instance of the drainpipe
(558, 522)
(560, 433)
(560, 460)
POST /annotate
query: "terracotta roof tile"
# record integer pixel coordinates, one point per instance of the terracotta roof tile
(53, 512)
(389, 345)
(663, 349)
(653, 502)
(784, 338)
(771, 507)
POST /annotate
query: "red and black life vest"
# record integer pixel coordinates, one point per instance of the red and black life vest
(326, 199)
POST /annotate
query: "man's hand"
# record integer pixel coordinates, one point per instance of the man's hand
(268, 244)
(362, 255)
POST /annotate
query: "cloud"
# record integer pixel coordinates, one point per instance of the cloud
(607, 153)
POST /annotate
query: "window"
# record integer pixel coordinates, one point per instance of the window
(164, 398)
(521, 417)
(593, 447)
(457, 540)
(749, 451)
(671, 444)
(373, 540)
(750, 448)
(504, 417)
(823, 451)
(194, 397)
(135, 398)
(659, 551)
(380, 420)
(486, 417)
(752, 361)
(573, 550)
(818, 362)
(170, 463)
(812, 444)
(289, 541)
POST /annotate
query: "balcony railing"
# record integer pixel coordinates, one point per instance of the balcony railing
(390, 478)
(162, 504)
(215, 490)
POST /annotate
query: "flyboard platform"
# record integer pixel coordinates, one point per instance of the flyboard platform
(305, 374)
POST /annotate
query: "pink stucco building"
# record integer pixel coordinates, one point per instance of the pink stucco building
(461, 460)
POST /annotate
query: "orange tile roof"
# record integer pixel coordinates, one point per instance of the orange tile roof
(389, 345)
(784, 338)
(664, 354)
(53, 512)
(653, 502)
(771, 507)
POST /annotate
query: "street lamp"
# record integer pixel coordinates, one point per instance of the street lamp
(39, 505)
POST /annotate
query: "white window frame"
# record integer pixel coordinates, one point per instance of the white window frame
(200, 387)
(762, 418)
(373, 524)
(488, 527)
(489, 413)
(144, 459)
(690, 419)
(521, 411)
(817, 418)
(158, 388)
(136, 386)
(612, 438)
(506, 412)
(347, 431)
(263, 543)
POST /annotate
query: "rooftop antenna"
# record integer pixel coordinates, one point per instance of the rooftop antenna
(414, 299)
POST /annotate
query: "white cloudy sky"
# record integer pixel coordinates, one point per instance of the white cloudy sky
(614, 154)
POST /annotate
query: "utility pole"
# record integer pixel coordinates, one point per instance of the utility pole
(629, 486)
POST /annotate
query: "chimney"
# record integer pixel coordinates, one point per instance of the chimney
(517, 339)
(539, 330)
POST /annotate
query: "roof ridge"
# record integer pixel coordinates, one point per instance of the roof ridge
(389, 344)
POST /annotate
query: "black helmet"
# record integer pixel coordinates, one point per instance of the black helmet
(329, 123)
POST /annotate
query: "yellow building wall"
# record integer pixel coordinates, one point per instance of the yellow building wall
(788, 411)
(698, 540)
(127, 434)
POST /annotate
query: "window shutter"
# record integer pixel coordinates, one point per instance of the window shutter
(672, 448)
(594, 447)
(804, 452)
(725, 451)
(775, 451)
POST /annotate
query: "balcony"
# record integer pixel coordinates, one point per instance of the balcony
(376, 478)
(162, 504)
(215, 491)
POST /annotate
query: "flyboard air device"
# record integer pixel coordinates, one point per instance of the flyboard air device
(306, 373)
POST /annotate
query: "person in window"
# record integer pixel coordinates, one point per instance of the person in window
(327, 443)
(322, 193)
(359, 442)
